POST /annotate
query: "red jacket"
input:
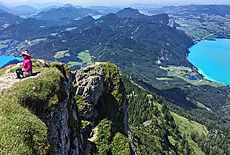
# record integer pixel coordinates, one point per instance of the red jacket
(27, 64)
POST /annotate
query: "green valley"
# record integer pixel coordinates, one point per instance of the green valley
(200, 21)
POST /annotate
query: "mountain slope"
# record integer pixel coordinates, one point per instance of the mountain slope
(160, 44)
(65, 14)
(156, 129)
(25, 10)
(38, 29)
(7, 19)
(135, 14)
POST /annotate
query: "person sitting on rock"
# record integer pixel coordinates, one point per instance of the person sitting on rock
(26, 66)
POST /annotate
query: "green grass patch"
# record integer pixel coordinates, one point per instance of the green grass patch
(61, 54)
(164, 78)
(74, 63)
(81, 103)
(113, 81)
(186, 127)
(38, 40)
(171, 140)
(85, 56)
(120, 144)
(20, 109)
(2, 71)
(186, 72)
(53, 34)
(64, 68)
(69, 29)
(85, 123)
(3, 46)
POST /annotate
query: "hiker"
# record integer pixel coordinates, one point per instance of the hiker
(26, 66)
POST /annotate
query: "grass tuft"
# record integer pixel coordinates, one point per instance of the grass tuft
(2, 71)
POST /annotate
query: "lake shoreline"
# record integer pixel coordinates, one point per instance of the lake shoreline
(6, 59)
(210, 58)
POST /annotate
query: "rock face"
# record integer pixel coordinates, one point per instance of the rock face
(89, 84)
(85, 88)
(86, 97)
(64, 137)
(171, 23)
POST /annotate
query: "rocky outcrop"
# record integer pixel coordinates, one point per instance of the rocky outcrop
(89, 84)
(84, 96)
(64, 126)
(171, 23)
(84, 89)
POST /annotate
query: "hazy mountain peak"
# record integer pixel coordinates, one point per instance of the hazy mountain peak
(25, 8)
(68, 5)
(128, 12)
(110, 15)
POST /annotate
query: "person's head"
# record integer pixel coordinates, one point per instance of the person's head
(25, 54)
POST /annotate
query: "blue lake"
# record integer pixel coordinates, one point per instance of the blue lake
(212, 58)
(6, 59)
(96, 17)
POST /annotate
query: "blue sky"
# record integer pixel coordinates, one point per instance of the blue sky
(125, 2)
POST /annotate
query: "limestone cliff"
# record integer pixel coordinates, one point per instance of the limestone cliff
(56, 111)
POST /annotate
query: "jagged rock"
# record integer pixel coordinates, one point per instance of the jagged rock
(89, 83)
(79, 90)
(61, 132)
(64, 126)
(171, 23)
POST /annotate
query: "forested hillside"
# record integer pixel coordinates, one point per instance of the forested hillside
(156, 129)
(7, 19)
(149, 43)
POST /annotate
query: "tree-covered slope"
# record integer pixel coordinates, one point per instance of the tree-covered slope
(148, 43)
(7, 19)
(65, 14)
(156, 129)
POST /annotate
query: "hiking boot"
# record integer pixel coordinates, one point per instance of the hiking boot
(16, 77)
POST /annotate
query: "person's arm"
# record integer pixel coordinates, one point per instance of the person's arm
(23, 65)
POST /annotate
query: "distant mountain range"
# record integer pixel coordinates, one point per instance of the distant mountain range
(25, 10)
(147, 41)
(220, 10)
(65, 14)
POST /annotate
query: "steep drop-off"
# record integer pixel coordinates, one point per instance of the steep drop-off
(55, 110)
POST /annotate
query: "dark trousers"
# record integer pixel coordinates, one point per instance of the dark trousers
(19, 72)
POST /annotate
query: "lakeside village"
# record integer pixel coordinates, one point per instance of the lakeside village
(12, 47)
(193, 76)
